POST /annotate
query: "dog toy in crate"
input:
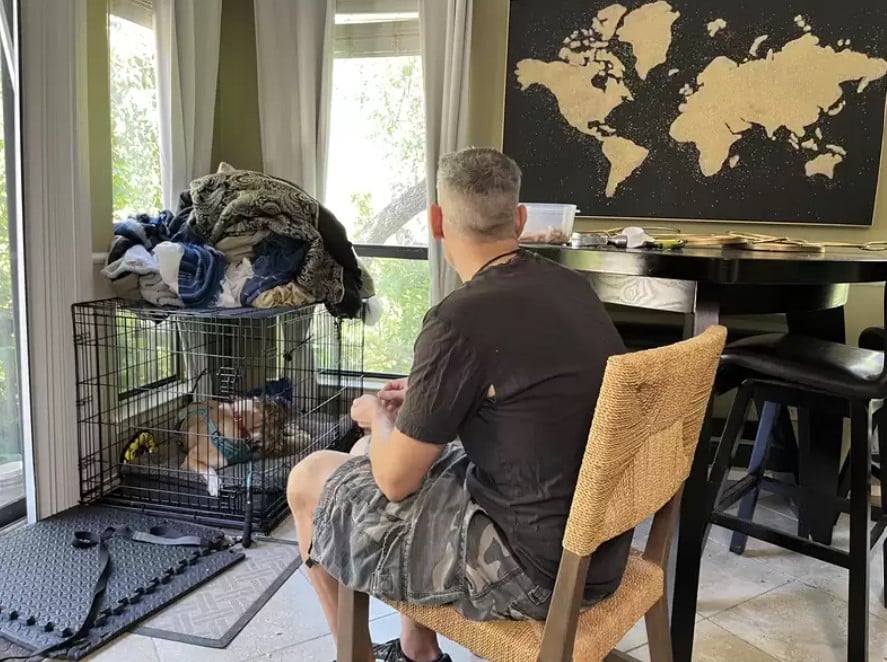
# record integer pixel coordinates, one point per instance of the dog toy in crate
(141, 443)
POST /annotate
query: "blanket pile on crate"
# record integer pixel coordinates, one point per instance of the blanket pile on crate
(239, 238)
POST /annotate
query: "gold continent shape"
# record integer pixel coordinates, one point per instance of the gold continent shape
(790, 88)
(586, 107)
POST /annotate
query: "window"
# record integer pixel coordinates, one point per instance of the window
(147, 354)
(376, 172)
(135, 118)
(12, 484)
(148, 359)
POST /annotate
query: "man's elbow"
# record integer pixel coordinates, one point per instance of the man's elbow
(395, 488)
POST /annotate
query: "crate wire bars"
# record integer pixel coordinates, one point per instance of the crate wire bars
(200, 415)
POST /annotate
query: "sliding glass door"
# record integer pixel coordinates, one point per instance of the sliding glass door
(12, 485)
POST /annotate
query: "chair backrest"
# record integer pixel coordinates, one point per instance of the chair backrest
(646, 426)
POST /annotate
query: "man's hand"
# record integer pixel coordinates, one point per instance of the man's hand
(399, 463)
(393, 394)
(364, 410)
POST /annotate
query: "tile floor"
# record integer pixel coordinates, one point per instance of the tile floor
(766, 605)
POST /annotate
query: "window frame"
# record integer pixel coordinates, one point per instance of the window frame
(140, 398)
(140, 12)
(377, 39)
(376, 6)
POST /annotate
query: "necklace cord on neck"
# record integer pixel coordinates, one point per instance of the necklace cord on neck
(490, 262)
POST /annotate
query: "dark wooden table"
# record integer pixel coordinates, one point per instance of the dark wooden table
(703, 284)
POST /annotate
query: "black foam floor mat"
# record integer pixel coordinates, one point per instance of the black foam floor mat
(46, 583)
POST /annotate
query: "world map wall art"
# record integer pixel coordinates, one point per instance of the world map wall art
(731, 110)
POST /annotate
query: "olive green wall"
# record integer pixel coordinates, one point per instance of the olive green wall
(486, 104)
(99, 94)
(237, 138)
(236, 135)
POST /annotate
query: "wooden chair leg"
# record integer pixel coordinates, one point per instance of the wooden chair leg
(658, 632)
(353, 640)
(860, 547)
(618, 656)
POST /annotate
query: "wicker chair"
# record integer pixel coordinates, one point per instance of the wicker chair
(639, 453)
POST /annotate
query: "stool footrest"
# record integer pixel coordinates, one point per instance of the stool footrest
(786, 540)
(737, 490)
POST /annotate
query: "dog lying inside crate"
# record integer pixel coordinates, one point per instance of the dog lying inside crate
(218, 434)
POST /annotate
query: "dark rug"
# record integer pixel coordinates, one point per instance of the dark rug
(216, 613)
(46, 584)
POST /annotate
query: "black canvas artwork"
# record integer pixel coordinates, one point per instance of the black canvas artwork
(742, 110)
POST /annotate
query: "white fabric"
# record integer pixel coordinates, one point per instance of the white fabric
(236, 276)
(373, 309)
(136, 260)
(187, 34)
(445, 31)
(157, 292)
(169, 257)
(294, 41)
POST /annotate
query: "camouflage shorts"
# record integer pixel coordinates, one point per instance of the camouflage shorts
(435, 547)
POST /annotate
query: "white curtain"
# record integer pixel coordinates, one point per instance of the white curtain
(188, 35)
(445, 29)
(56, 234)
(294, 41)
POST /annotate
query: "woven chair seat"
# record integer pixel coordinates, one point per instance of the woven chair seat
(601, 627)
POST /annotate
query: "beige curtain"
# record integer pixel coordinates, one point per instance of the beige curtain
(188, 34)
(445, 32)
(294, 50)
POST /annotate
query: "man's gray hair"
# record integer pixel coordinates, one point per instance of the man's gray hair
(487, 184)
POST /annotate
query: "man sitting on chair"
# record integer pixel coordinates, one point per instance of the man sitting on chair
(511, 365)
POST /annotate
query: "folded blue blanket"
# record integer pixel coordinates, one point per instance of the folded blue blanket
(276, 390)
(201, 272)
(278, 261)
(144, 230)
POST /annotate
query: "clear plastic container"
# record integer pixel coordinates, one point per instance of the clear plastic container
(548, 223)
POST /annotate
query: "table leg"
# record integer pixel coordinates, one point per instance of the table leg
(825, 430)
(686, 556)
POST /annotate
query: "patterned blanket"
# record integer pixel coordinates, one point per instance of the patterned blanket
(242, 202)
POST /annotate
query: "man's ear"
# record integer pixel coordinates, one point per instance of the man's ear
(520, 219)
(435, 218)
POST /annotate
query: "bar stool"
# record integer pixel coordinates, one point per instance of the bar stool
(773, 423)
(872, 338)
(821, 376)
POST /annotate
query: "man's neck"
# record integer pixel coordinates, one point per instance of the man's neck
(475, 257)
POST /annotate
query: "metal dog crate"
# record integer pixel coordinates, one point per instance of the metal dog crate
(152, 383)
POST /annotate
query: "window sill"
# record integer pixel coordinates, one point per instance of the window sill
(371, 385)
(136, 406)
(392, 252)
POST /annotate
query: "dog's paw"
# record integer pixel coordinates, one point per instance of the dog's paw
(296, 438)
(213, 483)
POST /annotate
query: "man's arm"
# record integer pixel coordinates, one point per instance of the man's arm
(399, 463)
(446, 384)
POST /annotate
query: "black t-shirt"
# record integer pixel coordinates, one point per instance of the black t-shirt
(538, 335)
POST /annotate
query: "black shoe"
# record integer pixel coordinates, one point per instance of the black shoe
(392, 652)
